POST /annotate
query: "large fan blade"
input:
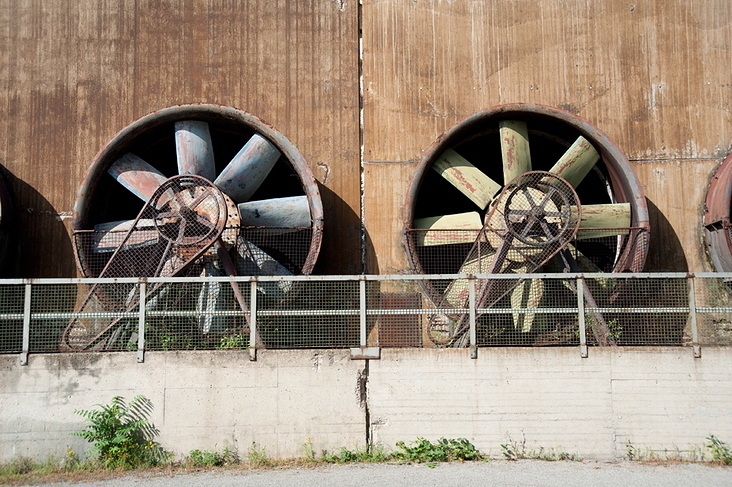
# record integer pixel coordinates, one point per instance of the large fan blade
(194, 149)
(576, 261)
(254, 261)
(108, 236)
(604, 220)
(467, 178)
(527, 294)
(574, 164)
(514, 149)
(248, 169)
(483, 259)
(464, 226)
(210, 300)
(137, 175)
(291, 212)
(581, 261)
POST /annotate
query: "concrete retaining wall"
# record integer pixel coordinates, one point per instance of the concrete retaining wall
(653, 397)
(201, 400)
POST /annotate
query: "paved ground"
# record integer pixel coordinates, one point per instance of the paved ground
(498, 473)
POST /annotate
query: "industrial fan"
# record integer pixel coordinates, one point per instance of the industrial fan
(717, 219)
(462, 181)
(269, 210)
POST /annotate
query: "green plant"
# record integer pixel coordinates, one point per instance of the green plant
(208, 458)
(233, 342)
(258, 457)
(309, 452)
(513, 449)
(517, 450)
(614, 326)
(632, 451)
(19, 466)
(121, 433)
(374, 454)
(552, 455)
(721, 452)
(424, 451)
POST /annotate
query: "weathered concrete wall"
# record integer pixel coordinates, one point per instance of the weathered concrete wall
(652, 397)
(204, 400)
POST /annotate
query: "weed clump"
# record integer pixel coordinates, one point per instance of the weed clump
(424, 451)
(208, 458)
(121, 434)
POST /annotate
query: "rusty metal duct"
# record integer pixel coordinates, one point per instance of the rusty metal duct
(275, 215)
(467, 166)
(717, 226)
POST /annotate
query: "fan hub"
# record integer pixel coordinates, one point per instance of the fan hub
(538, 210)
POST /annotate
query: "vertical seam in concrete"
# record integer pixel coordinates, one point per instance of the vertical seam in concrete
(365, 397)
(360, 136)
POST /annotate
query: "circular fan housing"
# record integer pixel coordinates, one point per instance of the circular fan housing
(227, 147)
(466, 167)
(717, 225)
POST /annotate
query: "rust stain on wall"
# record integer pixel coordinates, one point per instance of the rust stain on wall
(73, 73)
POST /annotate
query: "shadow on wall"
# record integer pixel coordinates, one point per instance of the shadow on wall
(43, 242)
(665, 253)
(9, 245)
(340, 252)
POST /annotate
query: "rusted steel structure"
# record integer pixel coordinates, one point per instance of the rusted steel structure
(250, 162)
(363, 119)
(607, 185)
(717, 220)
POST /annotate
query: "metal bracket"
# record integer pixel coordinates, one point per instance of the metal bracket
(366, 353)
(141, 324)
(473, 351)
(26, 325)
(253, 321)
(692, 316)
(581, 317)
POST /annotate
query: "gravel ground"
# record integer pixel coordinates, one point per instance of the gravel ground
(503, 473)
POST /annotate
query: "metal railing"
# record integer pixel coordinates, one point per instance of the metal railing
(365, 313)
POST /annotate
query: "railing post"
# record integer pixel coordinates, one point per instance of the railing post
(471, 316)
(581, 316)
(692, 315)
(363, 352)
(362, 311)
(253, 319)
(26, 325)
(141, 323)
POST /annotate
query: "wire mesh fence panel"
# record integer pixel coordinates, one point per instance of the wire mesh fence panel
(310, 314)
(394, 318)
(52, 312)
(631, 311)
(100, 316)
(214, 313)
(526, 312)
(608, 249)
(713, 298)
(204, 315)
(11, 317)
(273, 251)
